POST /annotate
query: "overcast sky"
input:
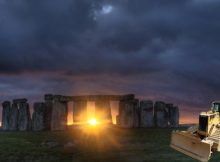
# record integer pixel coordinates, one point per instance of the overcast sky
(156, 49)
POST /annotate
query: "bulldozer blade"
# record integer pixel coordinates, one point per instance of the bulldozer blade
(190, 145)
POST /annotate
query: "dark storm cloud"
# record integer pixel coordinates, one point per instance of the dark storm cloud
(71, 36)
(157, 49)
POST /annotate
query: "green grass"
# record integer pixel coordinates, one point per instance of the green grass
(110, 145)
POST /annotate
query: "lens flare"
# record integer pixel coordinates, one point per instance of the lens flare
(92, 122)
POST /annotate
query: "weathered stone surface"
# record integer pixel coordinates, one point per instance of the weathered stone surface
(38, 117)
(146, 114)
(80, 111)
(59, 116)
(24, 120)
(48, 114)
(6, 106)
(173, 116)
(89, 97)
(13, 120)
(161, 114)
(129, 114)
(21, 100)
(169, 106)
(103, 111)
(48, 97)
(57, 97)
(175, 120)
(136, 106)
(118, 120)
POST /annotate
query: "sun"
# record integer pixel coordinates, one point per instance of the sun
(92, 122)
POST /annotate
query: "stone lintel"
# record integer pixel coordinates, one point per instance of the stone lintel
(89, 97)
(48, 97)
(6, 103)
(20, 100)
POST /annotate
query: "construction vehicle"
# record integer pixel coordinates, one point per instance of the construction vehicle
(201, 140)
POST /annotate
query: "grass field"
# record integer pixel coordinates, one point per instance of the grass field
(107, 145)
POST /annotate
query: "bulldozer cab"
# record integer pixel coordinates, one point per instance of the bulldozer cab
(216, 106)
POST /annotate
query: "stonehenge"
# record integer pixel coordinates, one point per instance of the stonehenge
(173, 115)
(16, 116)
(6, 106)
(39, 117)
(59, 116)
(80, 111)
(161, 114)
(24, 119)
(146, 114)
(128, 114)
(103, 111)
(51, 114)
(48, 110)
(13, 117)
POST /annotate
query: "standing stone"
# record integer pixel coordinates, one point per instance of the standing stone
(124, 120)
(80, 111)
(169, 107)
(13, 120)
(103, 111)
(128, 114)
(39, 117)
(24, 120)
(161, 115)
(176, 116)
(48, 112)
(118, 120)
(173, 116)
(146, 114)
(136, 105)
(59, 116)
(6, 115)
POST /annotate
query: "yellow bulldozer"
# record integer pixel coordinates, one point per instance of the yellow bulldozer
(201, 140)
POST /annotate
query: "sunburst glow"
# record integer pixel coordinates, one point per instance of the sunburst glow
(92, 122)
